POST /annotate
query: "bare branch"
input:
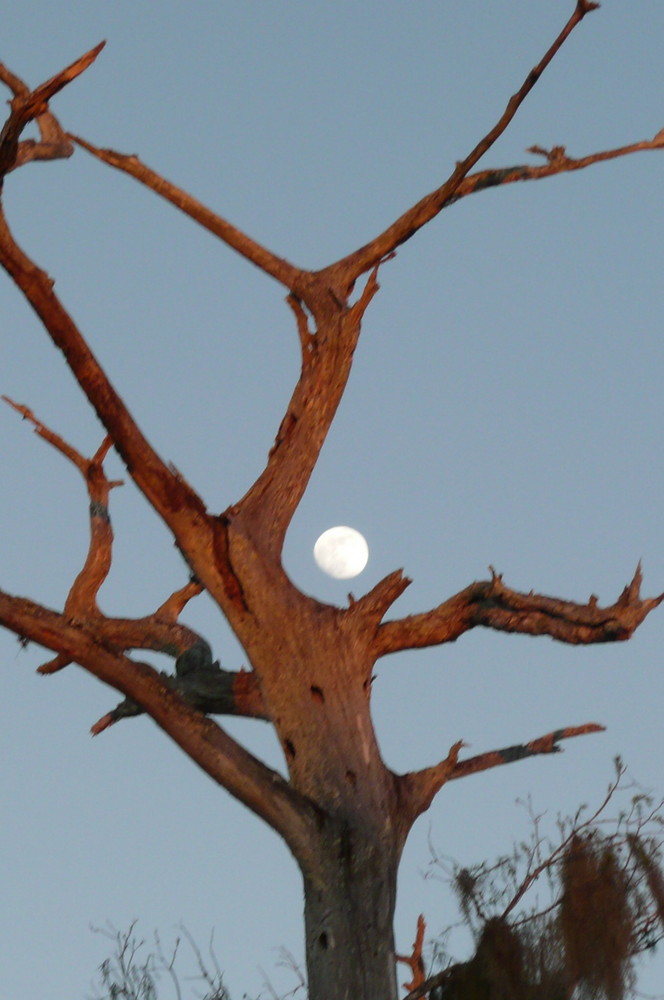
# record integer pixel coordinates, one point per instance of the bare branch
(422, 786)
(222, 692)
(356, 263)
(229, 764)
(279, 268)
(494, 605)
(196, 533)
(58, 662)
(375, 603)
(543, 744)
(29, 105)
(213, 691)
(152, 475)
(82, 464)
(557, 162)
(82, 600)
(415, 961)
(81, 604)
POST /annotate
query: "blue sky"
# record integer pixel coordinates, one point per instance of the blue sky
(505, 408)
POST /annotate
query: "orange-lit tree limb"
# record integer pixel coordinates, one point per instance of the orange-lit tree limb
(493, 605)
(367, 256)
(277, 267)
(210, 689)
(81, 604)
(30, 105)
(259, 787)
(341, 275)
(82, 600)
(195, 532)
(415, 961)
(507, 755)
(422, 786)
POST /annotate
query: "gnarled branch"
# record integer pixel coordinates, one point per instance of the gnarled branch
(492, 604)
(204, 685)
(222, 692)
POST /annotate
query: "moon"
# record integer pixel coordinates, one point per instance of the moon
(341, 552)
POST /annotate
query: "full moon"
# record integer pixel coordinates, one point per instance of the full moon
(341, 552)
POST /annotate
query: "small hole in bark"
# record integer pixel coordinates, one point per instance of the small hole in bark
(322, 940)
(351, 777)
(317, 693)
(290, 748)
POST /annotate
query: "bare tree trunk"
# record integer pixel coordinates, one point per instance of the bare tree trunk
(316, 686)
(349, 910)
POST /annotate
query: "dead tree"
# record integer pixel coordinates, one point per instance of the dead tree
(344, 815)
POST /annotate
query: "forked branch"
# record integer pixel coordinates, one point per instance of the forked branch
(30, 105)
(202, 684)
(427, 208)
(425, 784)
(229, 764)
(557, 162)
(494, 605)
(342, 274)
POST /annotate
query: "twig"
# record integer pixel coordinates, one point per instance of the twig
(415, 961)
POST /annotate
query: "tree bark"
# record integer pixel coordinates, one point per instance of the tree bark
(316, 686)
(349, 912)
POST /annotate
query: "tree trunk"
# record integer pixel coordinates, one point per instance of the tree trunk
(316, 685)
(349, 911)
